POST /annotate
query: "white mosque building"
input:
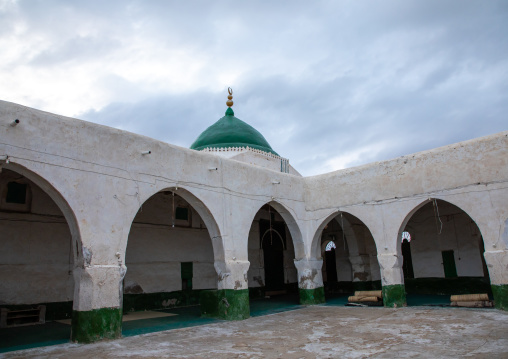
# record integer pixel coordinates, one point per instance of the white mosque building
(96, 221)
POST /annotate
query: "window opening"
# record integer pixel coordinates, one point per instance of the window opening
(406, 235)
(450, 270)
(16, 193)
(182, 213)
(331, 245)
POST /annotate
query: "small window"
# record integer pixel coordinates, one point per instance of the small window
(16, 193)
(406, 235)
(331, 245)
(182, 213)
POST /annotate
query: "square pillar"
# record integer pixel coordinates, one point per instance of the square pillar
(97, 309)
(310, 281)
(392, 278)
(497, 264)
(231, 299)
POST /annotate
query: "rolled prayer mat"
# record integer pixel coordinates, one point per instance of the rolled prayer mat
(469, 297)
(472, 304)
(369, 293)
(362, 299)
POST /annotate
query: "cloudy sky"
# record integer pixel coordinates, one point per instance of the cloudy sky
(330, 84)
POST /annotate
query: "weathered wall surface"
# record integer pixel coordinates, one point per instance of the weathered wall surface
(471, 175)
(36, 258)
(99, 178)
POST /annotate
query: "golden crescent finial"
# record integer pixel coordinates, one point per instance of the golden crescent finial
(229, 102)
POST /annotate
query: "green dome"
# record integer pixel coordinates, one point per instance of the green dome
(230, 131)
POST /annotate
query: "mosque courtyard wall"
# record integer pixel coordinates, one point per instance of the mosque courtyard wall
(113, 190)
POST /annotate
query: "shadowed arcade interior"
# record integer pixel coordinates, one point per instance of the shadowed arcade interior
(442, 249)
(272, 273)
(349, 257)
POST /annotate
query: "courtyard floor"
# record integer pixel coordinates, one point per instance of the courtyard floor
(326, 331)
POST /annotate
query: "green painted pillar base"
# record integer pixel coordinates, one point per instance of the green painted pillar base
(394, 296)
(312, 296)
(500, 293)
(234, 304)
(97, 324)
(228, 304)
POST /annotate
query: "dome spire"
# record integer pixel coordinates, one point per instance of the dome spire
(229, 103)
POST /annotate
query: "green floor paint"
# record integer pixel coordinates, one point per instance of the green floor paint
(185, 317)
(337, 300)
(273, 305)
(394, 296)
(500, 293)
(33, 336)
(52, 333)
(312, 296)
(91, 326)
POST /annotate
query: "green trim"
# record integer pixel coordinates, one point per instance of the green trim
(97, 324)
(54, 310)
(209, 303)
(228, 304)
(394, 296)
(312, 296)
(160, 300)
(233, 304)
(448, 286)
(500, 292)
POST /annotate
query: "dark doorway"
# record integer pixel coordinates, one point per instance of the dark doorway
(450, 270)
(407, 262)
(273, 253)
(331, 266)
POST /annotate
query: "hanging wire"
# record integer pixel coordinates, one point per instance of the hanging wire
(456, 238)
(437, 217)
(173, 212)
(270, 216)
(343, 235)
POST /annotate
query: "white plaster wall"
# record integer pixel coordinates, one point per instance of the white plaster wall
(36, 261)
(99, 177)
(459, 233)
(156, 250)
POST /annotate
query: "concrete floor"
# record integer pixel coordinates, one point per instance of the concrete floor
(315, 332)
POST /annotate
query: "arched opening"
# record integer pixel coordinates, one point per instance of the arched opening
(407, 261)
(38, 247)
(272, 275)
(349, 257)
(273, 259)
(169, 258)
(442, 249)
(331, 262)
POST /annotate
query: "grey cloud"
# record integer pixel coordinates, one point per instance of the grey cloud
(318, 80)
(78, 48)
